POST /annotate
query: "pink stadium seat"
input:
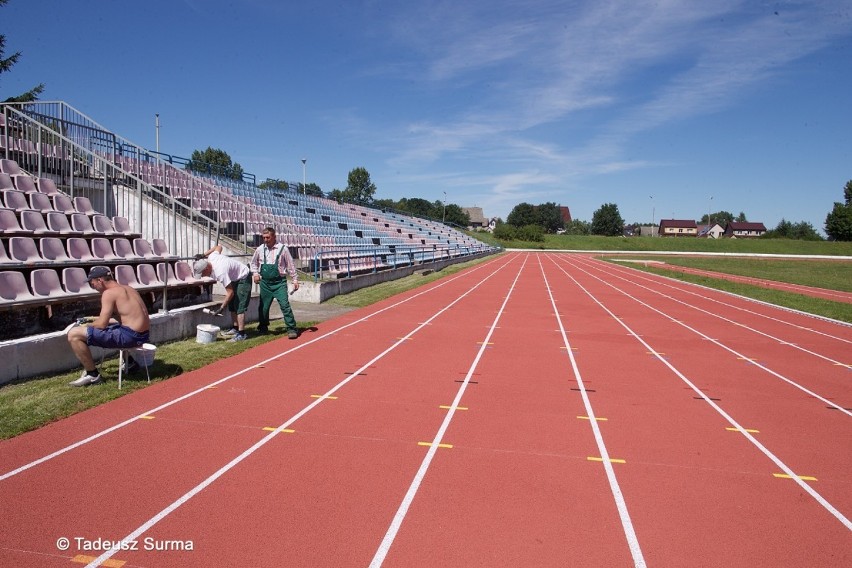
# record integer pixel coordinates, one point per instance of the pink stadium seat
(45, 284)
(121, 225)
(4, 258)
(9, 225)
(10, 167)
(102, 249)
(13, 288)
(6, 182)
(103, 225)
(124, 250)
(53, 250)
(84, 205)
(81, 222)
(143, 248)
(63, 203)
(57, 221)
(40, 202)
(79, 250)
(15, 200)
(183, 272)
(76, 281)
(33, 221)
(124, 274)
(46, 186)
(24, 183)
(147, 276)
(23, 249)
(160, 248)
(165, 273)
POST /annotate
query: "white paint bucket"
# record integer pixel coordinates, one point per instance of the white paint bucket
(206, 333)
(144, 355)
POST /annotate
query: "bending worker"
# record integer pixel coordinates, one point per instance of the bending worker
(269, 265)
(236, 278)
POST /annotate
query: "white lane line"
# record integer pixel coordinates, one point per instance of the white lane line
(111, 429)
(723, 346)
(763, 449)
(721, 317)
(620, 503)
(134, 536)
(402, 511)
(670, 282)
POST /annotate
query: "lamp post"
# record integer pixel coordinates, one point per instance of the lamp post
(444, 217)
(709, 208)
(304, 177)
(652, 214)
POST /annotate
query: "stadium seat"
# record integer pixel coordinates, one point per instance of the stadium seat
(143, 248)
(4, 257)
(121, 225)
(103, 225)
(79, 250)
(10, 167)
(15, 200)
(81, 222)
(147, 276)
(13, 288)
(40, 202)
(124, 250)
(53, 250)
(24, 183)
(9, 225)
(84, 205)
(58, 222)
(161, 249)
(63, 203)
(45, 284)
(33, 221)
(6, 182)
(23, 249)
(124, 274)
(102, 249)
(75, 281)
(46, 186)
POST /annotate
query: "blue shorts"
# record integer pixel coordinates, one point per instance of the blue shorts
(115, 336)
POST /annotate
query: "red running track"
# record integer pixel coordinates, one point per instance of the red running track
(536, 410)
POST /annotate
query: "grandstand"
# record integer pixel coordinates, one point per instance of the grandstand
(74, 195)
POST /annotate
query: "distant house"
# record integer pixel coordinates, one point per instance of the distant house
(741, 229)
(477, 219)
(678, 228)
(713, 231)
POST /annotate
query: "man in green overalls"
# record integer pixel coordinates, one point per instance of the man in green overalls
(269, 265)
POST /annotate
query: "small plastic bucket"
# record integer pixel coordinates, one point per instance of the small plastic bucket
(144, 355)
(206, 333)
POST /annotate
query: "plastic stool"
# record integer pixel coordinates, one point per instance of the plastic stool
(122, 357)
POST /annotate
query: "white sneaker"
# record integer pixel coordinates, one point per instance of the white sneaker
(229, 332)
(86, 379)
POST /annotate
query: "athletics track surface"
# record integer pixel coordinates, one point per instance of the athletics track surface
(535, 410)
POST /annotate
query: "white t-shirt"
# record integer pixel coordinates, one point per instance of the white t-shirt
(226, 269)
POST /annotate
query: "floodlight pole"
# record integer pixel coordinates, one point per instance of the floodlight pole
(444, 217)
(304, 177)
(653, 212)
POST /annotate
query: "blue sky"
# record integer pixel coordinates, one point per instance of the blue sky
(665, 108)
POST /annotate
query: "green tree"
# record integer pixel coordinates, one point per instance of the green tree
(847, 192)
(802, 231)
(310, 189)
(417, 207)
(7, 63)
(521, 215)
(741, 218)
(578, 227)
(607, 221)
(359, 188)
(720, 217)
(549, 217)
(216, 162)
(456, 215)
(505, 232)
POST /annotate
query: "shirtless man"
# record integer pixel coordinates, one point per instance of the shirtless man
(132, 331)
